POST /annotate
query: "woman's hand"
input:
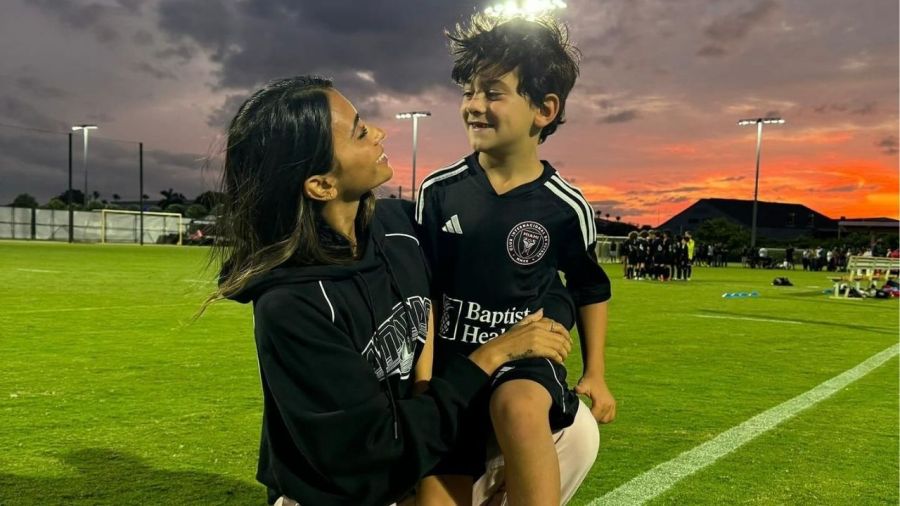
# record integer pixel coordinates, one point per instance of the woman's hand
(533, 336)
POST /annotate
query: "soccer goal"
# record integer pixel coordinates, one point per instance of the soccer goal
(121, 226)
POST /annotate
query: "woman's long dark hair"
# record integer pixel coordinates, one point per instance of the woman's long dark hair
(279, 138)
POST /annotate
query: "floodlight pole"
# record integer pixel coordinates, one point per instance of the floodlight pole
(415, 115)
(759, 127)
(141, 185)
(84, 130)
(71, 209)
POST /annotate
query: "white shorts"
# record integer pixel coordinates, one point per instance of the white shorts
(577, 446)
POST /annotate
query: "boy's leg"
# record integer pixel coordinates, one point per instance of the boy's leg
(444, 490)
(576, 448)
(519, 412)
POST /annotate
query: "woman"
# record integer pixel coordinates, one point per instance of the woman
(340, 304)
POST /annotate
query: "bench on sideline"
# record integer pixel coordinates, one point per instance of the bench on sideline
(869, 269)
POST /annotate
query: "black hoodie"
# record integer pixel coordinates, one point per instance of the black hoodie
(337, 429)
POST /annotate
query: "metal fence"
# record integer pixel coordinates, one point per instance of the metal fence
(87, 226)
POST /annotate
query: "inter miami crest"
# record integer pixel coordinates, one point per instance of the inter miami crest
(527, 242)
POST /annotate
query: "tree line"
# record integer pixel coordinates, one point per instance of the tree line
(201, 206)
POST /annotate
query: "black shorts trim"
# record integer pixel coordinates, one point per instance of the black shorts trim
(470, 449)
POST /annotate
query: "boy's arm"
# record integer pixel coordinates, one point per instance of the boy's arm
(425, 365)
(591, 321)
(590, 289)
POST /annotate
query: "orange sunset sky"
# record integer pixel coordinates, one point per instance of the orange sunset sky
(651, 123)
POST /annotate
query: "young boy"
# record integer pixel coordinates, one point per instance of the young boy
(498, 225)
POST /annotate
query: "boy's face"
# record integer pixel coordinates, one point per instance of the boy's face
(497, 118)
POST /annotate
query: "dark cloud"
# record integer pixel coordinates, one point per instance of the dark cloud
(680, 189)
(726, 31)
(100, 117)
(862, 108)
(19, 147)
(183, 52)
(602, 59)
(18, 111)
(848, 188)
(221, 116)
(736, 26)
(603, 204)
(400, 43)
(37, 163)
(612, 207)
(187, 161)
(824, 108)
(92, 17)
(842, 189)
(888, 145)
(773, 114)
(711, 50)
(150, 70)
(106, 34)
(38, 89)
(666, 191)
(368, 107)
(865, 109)
(132, 6)
(620, 117)
(143, 38)
(732, 178)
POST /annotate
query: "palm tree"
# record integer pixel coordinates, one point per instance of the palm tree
(170, 197)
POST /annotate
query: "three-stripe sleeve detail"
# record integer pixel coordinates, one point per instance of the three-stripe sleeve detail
(436, 176)
(574, 199)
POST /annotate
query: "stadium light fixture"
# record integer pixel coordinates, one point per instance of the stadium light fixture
(414, 115)
(524, 8)
(85, 129)
(759, 122)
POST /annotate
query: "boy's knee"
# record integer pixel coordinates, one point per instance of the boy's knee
(520, 402)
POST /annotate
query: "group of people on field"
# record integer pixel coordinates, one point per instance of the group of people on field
(413, 353)
(836, 258)
(658, 255)
(815, 259)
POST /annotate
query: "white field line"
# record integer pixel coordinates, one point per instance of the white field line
(747, 318)
(99, 308)
(664, 476)
(39, 270)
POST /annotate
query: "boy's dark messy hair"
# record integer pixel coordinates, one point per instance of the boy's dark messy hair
(539, 50)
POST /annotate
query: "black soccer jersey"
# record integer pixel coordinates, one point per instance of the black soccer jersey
(496, 258)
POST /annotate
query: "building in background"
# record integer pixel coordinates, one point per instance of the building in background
(775, 220)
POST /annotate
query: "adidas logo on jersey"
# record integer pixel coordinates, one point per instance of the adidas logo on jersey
(452, 226)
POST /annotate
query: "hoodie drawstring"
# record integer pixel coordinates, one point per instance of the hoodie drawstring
(413, 328)
(380, 353)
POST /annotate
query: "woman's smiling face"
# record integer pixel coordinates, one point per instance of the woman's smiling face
(360, 163)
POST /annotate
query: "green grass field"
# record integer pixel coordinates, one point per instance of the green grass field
(109, 394)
